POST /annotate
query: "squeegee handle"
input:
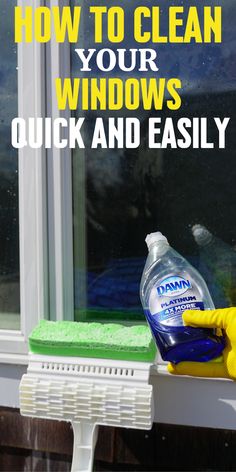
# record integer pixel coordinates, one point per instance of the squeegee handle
(85, 438)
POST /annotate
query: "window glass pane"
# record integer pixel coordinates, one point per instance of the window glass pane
(9, 220)
(120, 195)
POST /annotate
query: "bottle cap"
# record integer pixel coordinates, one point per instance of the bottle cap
(153, 238)
(201, 235)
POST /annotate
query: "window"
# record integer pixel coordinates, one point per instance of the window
(22, 92)
(118, 195)
(111, 199)
(122, 194)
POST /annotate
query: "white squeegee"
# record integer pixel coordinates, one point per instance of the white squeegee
(87, 392)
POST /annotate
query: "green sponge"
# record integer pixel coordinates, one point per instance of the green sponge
(100, 340)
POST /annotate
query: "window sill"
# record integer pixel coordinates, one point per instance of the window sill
(180, 400)
(16, 359)
(193, 401)
(160, 369)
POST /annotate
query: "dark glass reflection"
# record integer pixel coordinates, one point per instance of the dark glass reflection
(9, 220)
(121, 195)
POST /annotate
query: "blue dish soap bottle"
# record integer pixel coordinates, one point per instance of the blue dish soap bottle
(169, 286)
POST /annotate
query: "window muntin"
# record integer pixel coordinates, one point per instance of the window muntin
(9, 219)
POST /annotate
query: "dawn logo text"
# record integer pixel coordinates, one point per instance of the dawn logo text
(173, 286)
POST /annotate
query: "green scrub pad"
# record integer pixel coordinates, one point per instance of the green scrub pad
(100, 340)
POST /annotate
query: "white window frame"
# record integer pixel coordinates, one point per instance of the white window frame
(60, 215)
(46, 254)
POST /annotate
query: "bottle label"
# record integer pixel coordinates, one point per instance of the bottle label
(172, 296)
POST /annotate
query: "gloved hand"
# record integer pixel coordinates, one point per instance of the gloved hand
(224, 319)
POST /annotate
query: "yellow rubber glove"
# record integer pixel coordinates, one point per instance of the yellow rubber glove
(224, 319)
